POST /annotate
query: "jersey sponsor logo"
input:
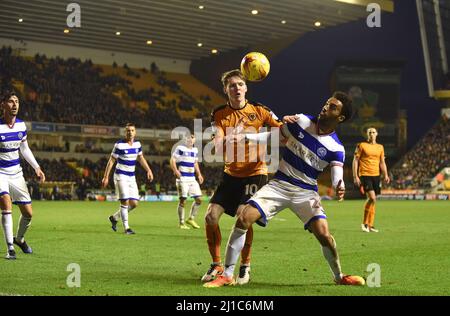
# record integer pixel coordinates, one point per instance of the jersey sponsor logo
(321, 152)
(10, 145)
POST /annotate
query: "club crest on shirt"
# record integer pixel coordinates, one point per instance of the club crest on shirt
(20, 135)
(321, 152)
(300, 135)
(252, 116)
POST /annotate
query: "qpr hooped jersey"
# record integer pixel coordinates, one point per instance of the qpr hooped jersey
(186, 158)
(307, 153)
(10, 140)
(126, 156)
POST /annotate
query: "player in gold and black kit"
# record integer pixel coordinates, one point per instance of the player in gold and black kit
(367, 162)
(244, 171)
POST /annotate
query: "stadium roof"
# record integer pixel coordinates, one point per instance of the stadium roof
(174, 27)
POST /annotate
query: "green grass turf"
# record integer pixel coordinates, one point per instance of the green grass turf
(412, 249)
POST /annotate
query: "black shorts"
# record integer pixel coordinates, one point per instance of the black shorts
(233, 191)
(369, 183)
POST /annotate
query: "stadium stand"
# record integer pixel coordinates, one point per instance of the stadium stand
(425, 159)
(72, 91)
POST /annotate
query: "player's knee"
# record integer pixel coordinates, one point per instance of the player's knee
(245, 219)
(210, 219)
(325, 239)
(211, 216)
(133, 204)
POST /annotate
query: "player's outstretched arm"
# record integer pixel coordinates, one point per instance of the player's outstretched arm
(108, 168)
(29, 157)
(146, 167)
(291, 118)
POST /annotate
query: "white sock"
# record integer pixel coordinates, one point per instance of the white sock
(116, 215)
(194, 210)
(234, 248)
(24, 223)
(7, 224)
(181, 213)
(332, 258)
(124, 215)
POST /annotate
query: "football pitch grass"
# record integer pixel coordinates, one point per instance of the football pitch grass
(412, 250)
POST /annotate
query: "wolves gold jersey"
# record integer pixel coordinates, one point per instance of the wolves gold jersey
(369, 156)
(250, 119)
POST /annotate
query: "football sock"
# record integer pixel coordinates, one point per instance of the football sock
(372, 215)
(367, 206)
(194, 210)
(116, 215)
(7, 224)
(234, 247)
(181, 214)
(214, 238)
(332, 258)
(124, 215)
(245, 255)
(24, 223)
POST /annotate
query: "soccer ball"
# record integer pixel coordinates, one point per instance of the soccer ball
(255, 66)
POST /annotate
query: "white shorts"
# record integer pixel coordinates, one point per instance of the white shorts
(278, 195)
(16, 187)
(126, 188)
(188, 188)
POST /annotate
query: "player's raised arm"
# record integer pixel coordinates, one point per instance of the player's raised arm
(108, 169)
(146, 167)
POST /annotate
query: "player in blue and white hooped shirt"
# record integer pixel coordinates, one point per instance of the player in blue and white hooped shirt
(13, 188)
(126, 153)
(311, 146)
(184, 164)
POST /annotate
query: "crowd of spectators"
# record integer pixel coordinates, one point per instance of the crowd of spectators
(76, 92)
(430, 155)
